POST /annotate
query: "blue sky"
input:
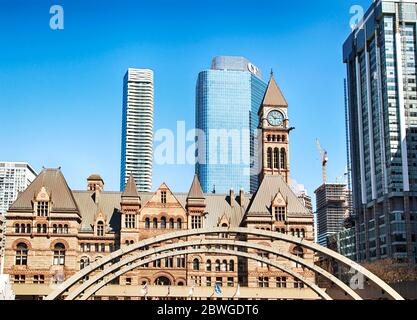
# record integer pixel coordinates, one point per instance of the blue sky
(61, 91)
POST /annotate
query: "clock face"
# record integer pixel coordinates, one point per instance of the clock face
(276, 118)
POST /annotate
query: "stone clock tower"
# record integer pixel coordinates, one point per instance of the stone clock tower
(274, 137)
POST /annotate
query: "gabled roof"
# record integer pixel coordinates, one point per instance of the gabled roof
(273, 95)
(130, 190)
(55, 184)
(269, 188)
(196, 192)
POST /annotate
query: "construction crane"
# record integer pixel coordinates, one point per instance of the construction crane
(324, 159)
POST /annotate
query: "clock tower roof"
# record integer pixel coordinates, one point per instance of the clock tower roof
(273, 96)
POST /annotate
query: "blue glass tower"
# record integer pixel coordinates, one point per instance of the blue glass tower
(228, 97)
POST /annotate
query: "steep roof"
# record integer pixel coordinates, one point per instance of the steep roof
(196, 192)
(273, 95)
(55, 184)
(130, 190)
(268, 190)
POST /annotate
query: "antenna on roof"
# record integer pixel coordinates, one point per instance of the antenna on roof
(272, 73)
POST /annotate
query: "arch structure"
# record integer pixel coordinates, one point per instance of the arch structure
(104, 270)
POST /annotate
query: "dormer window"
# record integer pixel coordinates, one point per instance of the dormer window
(280, 213)
(42, 208)
(100, 229)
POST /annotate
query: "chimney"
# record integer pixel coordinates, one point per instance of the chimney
(232, 198)
(241, 197)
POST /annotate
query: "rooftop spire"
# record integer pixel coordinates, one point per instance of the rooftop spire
(273, 96)
(130, 188)
(196, 192)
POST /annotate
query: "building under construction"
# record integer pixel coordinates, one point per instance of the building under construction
(333, 207)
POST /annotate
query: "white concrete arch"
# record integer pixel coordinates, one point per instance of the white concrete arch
(244, 231)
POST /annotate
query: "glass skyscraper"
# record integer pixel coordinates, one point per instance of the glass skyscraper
(228, 98)
(380, 55)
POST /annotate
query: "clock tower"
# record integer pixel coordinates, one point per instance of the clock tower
(274, 133)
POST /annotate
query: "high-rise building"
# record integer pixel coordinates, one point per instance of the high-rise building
(15, 177)
(228, 97)
(332, 205)
(380, 56)
(137, 128)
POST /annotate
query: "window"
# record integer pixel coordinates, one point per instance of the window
(179, 224)
(100, 229)
(42, 209)
(60, 229)
(111, 247)
(21, 254)
(180, 262)
(163, 223)
(231, 265)
(38, 279)
(103, 247)
(28, 228)
(130, 221)
(269, 158)
(298, 284)
(281, 282)
(157, 263)
(303, 233)
(196, 222)
(265, 256)
(84, 262)
(276, 158)
(65, 229)
(217, 265)
(155, 223)
(208, 265)
(219, 281)
(96, 247)
(208, 281)
(171, 223)
(224, 265)
(196, 264)
(230, 282)
(163, 196)
(19, 278)
(54, 229)
(38, 228)
(280, 213)
(22, 228)
(263, 282)
(283, 159)
(17, 228)
(128, 281)
(169, 262)
(44, 228)
(147, 223)
(59, 254)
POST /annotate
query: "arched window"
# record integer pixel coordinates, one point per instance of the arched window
(21, 254)
(38, 228)
(303, 233)
(100, 228)
(283, 159)
(283, 138)
(60, 228)
(84, 262)
(163, 223)
(59, 254)
(171, 223)
(147, 223)
(44, 229)
(54, 228)
(282, 230)
(155, 223)
(292, 232)
(179, 224)
(298, 251)
(22, 228)
(65, 228)
(268, 137)
(127, 242)
(217, 266)
(224, 265)
(231, 265)
(274, 138)
(28, 228)
(269, 158)
(17, 228)
(196, 264)
(208, 265)
(297, 231)
(276, 158)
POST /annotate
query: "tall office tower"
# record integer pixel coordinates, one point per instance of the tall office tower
(137, 128)
(15, 177)
(332, 205)
(380, 58)
(228, 97)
